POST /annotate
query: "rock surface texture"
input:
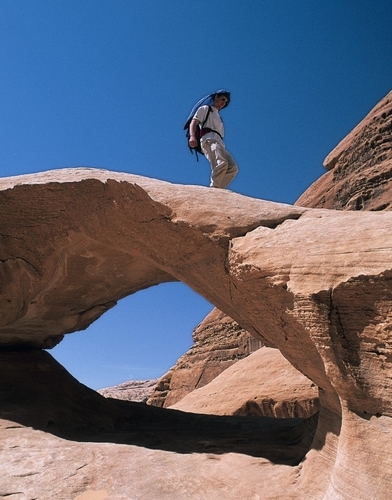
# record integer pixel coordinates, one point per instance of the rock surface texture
(359, 173)
(219, 342)
(316, 284)
(132, 390)
(262, 384)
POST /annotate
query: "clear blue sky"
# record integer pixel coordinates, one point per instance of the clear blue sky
(109, 83)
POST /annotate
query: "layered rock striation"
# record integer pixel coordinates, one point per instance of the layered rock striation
(218, 342)
(262, 384)
(359, 173)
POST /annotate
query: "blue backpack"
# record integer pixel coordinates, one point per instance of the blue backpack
(207, 100)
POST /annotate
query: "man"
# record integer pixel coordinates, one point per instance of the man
(223, 165)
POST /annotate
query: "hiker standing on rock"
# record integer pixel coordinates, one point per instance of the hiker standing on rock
(206, 136)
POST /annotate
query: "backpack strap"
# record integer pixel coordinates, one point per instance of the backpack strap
(205, 121)
(199, 135)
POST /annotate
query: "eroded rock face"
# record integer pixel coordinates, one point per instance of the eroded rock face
(316, 284)
(262, 384)
(82, 253)
(219, 342)
(359, 168)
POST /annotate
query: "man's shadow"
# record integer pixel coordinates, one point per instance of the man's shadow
(36, 391)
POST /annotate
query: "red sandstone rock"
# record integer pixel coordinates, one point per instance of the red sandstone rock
(262, 384)
(61, 440)
(360, 167)
(219, 342)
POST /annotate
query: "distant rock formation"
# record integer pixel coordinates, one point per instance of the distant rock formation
(314, 283)
(219, 342)
(131, 390)
(262, 384)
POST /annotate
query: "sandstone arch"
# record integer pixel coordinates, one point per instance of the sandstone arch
(74, 241)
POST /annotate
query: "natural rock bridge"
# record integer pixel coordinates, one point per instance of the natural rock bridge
(314, 283)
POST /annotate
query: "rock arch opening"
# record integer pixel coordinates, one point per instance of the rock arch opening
(140, 338)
